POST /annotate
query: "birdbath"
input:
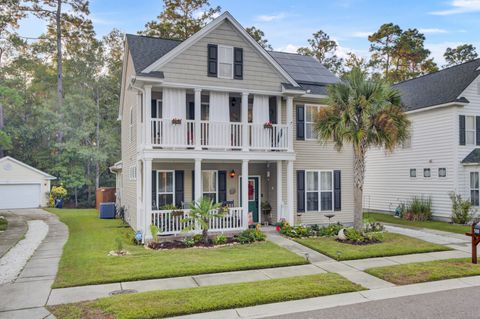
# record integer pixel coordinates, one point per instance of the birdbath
(329, 216)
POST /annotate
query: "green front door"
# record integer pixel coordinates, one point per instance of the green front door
(253, 198)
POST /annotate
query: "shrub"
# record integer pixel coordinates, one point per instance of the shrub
(462, 209)
(373, 227)
(220, 239)
(330, 230)
(154, 231)
(168, 207)
(188, 241)
(354, 235)
(118, 245)
(251, 235)
(197, 238)
(57, 193)
(418, 209)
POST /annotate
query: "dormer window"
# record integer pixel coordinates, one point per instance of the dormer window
(225, 62)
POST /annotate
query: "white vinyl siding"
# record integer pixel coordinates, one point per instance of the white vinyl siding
(225, 62)
(165, 188)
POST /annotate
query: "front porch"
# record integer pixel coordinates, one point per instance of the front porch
(173, 185)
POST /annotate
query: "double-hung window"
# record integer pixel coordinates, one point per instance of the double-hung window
(474, 188)
(225, 62)
(210, 185)
(310, 115)
(165, 188)
(319, 190)
(470, 130)
(132, 173)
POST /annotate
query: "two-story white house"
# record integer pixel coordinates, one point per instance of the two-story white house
(218, 116)
(443, 153)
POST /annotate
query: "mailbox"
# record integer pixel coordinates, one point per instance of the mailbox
(476, 229)
(475, 234)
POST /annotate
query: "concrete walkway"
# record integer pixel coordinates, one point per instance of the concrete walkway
(28, 294)
(17, 227)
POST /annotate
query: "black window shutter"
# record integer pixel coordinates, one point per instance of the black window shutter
(212, 60)
(193, 186)
(337, 190)
(222, 186)
(154, 190)
(300, 191)
(300, 122)
(477, 127)
(462, 129)
(238, 63)
(179, 188)
(154, 109)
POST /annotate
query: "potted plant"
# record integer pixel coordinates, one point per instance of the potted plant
(268, 125)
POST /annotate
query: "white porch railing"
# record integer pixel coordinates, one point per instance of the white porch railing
(173, 222)
(219, 135)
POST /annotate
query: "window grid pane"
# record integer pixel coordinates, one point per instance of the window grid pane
(312, 181)
(312, 201)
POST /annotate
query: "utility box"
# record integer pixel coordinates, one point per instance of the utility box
(104, 195)
(107, 210)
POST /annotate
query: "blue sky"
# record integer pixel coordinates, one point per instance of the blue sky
(289, 23)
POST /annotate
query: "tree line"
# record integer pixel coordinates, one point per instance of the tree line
(59, 92)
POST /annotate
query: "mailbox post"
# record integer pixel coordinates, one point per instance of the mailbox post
(475, 234)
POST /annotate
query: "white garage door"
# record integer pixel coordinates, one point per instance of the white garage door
(19, 195)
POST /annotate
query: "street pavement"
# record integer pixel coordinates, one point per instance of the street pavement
(451, 304)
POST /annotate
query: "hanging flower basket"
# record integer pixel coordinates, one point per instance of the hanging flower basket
(268, 125)
(176, 121)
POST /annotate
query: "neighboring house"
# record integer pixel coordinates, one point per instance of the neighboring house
(443, 153)
(199, 115)
(22, 186)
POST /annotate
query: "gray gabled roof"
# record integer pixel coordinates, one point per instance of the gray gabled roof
(473, 157)
(440, 87)
(305, 70)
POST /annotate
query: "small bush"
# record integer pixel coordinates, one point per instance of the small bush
(462, 209)
(373, 227)
(418, 209)
(168, 207)
(154, 231)
(118, 245)
(251, 235)
(188, 241)
(56, 193)
(330, 230)
(354, 235)
(220, 239)
(197, 238)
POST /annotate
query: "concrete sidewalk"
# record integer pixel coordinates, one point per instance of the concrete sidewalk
(28, 294)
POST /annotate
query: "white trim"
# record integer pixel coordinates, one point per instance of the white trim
(428, 108)
(126, 54)
(203, 32)
(157, 193)
(218, 61)
(314, 96)
(215, 155)
(319, 191)
(259, 192)
(48, 176)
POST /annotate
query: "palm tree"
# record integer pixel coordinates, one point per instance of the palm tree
(201, 212)
(365, 113)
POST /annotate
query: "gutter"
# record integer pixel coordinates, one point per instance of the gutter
(433, 107)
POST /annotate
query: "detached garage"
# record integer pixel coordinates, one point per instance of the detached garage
(22, 186)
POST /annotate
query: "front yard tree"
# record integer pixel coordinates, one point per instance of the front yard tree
(259, 36)
(181, 18)
(323, 49)
(364, 113)
(461, 54)
(201, 212)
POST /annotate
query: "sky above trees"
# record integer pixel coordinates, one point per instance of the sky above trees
(288, 24)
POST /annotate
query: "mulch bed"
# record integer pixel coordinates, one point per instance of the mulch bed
(359, 243)
(175, 244)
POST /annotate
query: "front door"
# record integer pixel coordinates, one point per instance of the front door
(253, 198)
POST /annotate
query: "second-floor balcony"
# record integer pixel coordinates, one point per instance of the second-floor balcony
(182, 133)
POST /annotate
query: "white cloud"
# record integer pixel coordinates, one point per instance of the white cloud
(459, 6)
(361, 34)
(290, 48)
(270, 18)
(199, 13)
(432, 30)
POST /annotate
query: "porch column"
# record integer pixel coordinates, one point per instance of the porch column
(279, 190)
(245, 140)
(279, 109)
(290, 213)
(147, 102)
(290, 122)
(245, 192)
(198, 179)
(198, 115)
(140, 195)
(147, 189)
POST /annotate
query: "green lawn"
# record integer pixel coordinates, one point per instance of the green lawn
(453, 228)
(85, 261)
(393, 244)
(426, 271)
(160, 304)
(3, 224)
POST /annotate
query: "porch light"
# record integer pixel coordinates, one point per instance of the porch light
(232, 173)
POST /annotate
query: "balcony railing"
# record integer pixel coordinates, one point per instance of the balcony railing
(218, 135)
(174, 222)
